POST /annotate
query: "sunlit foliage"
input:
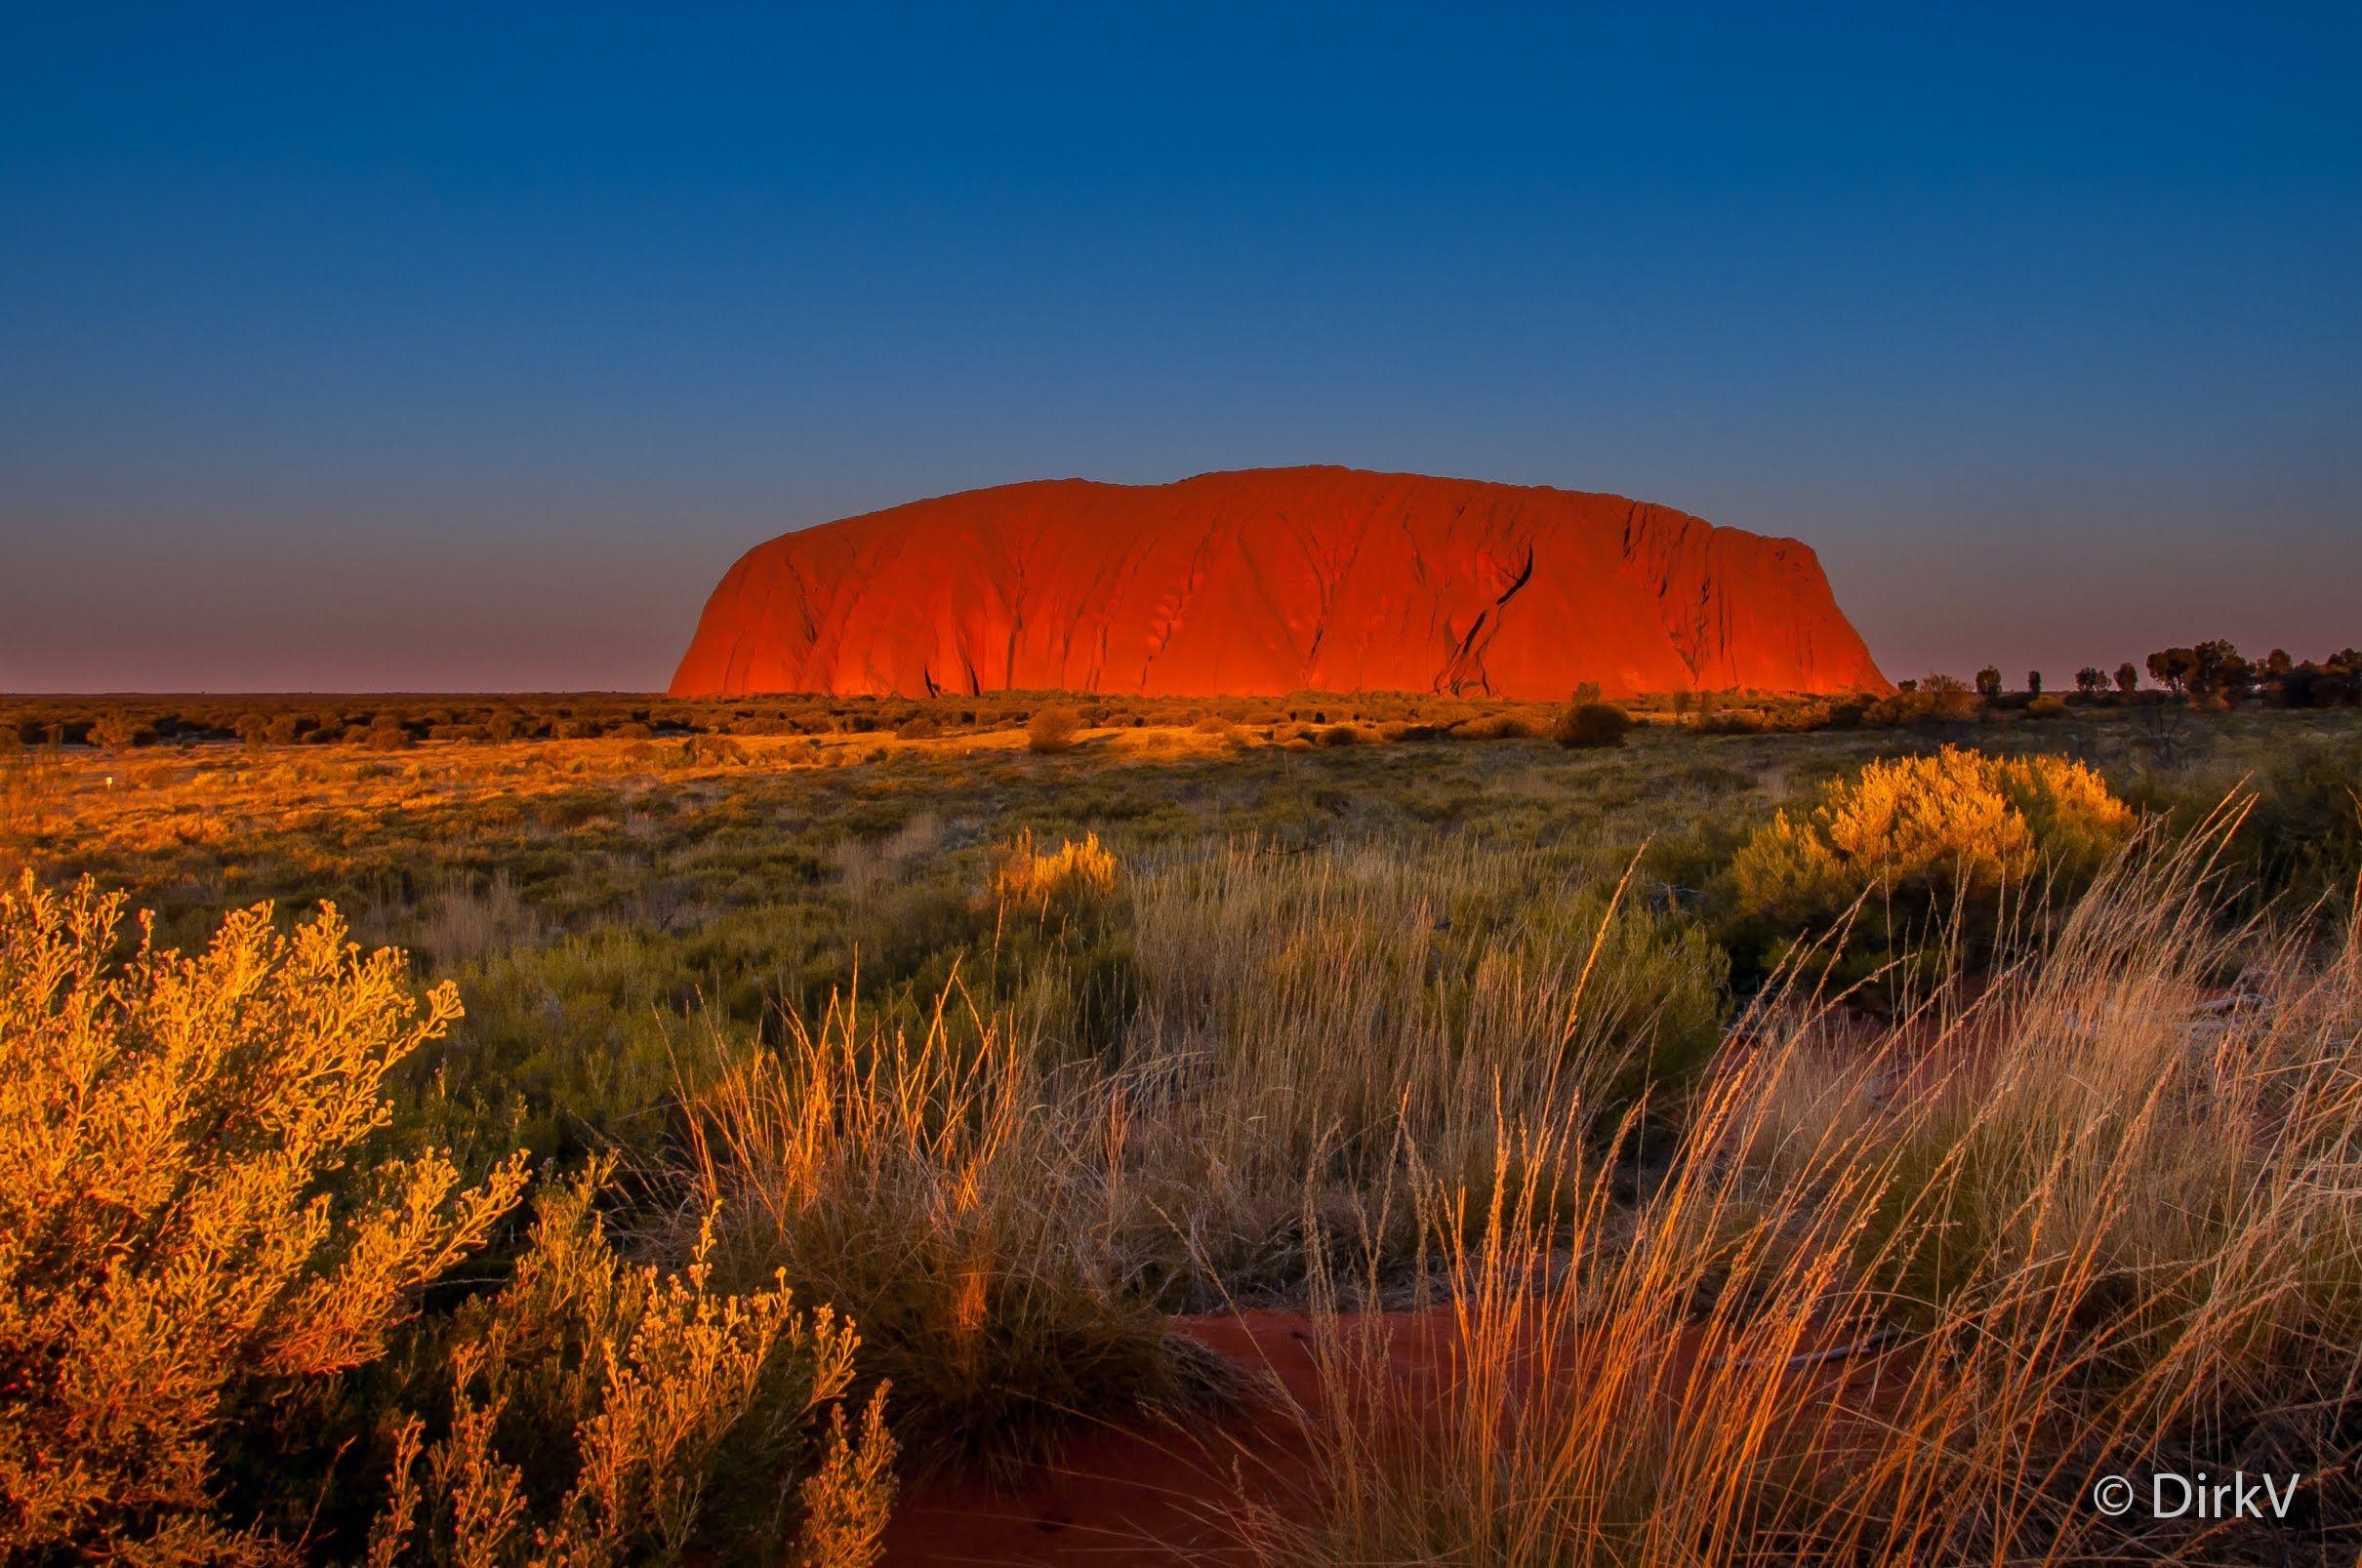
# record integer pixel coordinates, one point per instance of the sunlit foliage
(182, 1223)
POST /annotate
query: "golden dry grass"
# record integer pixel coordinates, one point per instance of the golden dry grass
(1911, 1295)
(965, 1208)
(1031, 877)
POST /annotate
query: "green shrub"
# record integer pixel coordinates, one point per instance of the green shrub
(1028, 876)
(1910, 840)
(1492, 727)
(1591, 724)
(1727, 722)
(2302, 832)
(1936, 699)
(178, 1236)
(119, 732)
(595, 1412)
(1052, 730)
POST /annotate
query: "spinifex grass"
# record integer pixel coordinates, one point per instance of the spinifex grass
(1905, 1298)
(962, 1206)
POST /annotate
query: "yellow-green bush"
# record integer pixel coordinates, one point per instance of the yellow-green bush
(1909, 840)
(202, 1247)
(1031, 877)
(178, 1229)
(1052, 730)
(1590, 724)
(598, 1412)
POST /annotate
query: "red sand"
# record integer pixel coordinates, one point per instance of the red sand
(1275, 580)
(1134, 1497)
(1156, 1495)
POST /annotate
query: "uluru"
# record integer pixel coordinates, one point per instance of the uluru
(1272, 580)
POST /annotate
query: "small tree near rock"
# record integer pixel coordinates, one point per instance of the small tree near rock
(1052, 730)
(1591, 724)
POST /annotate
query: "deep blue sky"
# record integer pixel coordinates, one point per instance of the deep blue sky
(465, 350)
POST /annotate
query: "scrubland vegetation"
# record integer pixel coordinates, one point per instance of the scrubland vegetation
(2210, 675)
(1799, 1135)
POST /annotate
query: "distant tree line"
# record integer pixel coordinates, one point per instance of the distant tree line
(2218, 670)
(2214, 671)
(2209, 673)
(393, 722)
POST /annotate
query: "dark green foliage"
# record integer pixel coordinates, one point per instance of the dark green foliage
(1591, 724)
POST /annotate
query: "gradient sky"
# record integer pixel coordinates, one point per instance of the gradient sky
(426, 349)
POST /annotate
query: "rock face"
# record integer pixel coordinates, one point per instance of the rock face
(1274, 581)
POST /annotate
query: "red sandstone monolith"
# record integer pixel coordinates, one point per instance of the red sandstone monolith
(1275, 580)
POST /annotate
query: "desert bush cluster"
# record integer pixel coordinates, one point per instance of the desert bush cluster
(598, 1412)
(198, 1237)
(1815, 1140)
(1911, 846)
(1031, 877)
